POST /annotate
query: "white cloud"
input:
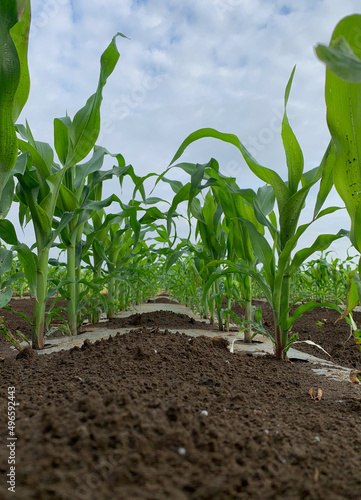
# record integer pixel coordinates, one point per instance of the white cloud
(210, 63)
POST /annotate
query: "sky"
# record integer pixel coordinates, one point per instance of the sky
(186, 65)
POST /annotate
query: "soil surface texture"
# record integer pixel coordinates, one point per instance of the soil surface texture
(154, 415)
(167, 319)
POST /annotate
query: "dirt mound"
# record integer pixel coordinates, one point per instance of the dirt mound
(164, 319)
(162, 300)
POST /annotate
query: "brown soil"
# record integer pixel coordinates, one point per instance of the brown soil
(319, 327)
(158, 416)
(165, 319)
(162, 300)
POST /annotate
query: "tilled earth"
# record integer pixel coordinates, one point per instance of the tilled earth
(155, 415)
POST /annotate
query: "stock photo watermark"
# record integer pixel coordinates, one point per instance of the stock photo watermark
(223, 7)
(49, 10)
(11, 440)
(125, 105)
(94, 480)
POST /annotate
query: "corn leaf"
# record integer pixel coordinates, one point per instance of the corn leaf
(7, 232)
(61, 137)
(84, 130)
(5, 296)
(294, 156)
(321, 243)
(340, 58)
(14, 78)
(29, 262)
(326, 184)
(7, 196)
(5, 260)
(309, 306)
(352, 295)
(343, 100)
(267, 175)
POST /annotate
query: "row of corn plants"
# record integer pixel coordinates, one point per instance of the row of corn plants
(59, 192)
(340, 166)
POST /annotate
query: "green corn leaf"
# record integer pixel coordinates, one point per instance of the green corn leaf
(309, 306)
(84, 130)
(61, 137)
(37, 160)
(175, 185)
(14, 78)
(13, 277)
(98, 205)
(265, 199)
(6, 197)
(321, 243)
(100, 176)
(217, 217)
(326, 184)
(290, 214)
(172, 259)
(352, 294)
(182, 195)
(7, 232)
(343, 117)
(151, 214)
(294, 156)
(67, 200)
(327, 211)
(53, 182)
(64, 221)
(6, 258)
(42, 224)
(265, 174)
(5, 296)
(196, 179)
(152, 200)
(20, 35)
(93, 165)
(98, 247)
(260, 246)
(29, 262)
(340, 57)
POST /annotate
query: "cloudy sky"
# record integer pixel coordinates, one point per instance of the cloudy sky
(189, 64)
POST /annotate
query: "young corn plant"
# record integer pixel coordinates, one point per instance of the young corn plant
(237, 206)
(237, 244)
(81, 194)
(214, 241)
(40, 183)
(279, 263)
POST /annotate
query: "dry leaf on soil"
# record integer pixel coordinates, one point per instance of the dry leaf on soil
(355, 376)
(316, 396)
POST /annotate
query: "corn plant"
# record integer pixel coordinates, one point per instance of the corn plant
(214, 241)
(236, 245)
(180, 269)
(81, 194)
(278, 263)
(40, 183)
